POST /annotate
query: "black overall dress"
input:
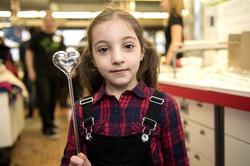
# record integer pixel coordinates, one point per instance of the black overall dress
(132, 150)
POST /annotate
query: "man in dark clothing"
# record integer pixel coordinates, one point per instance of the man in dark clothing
(41, 70)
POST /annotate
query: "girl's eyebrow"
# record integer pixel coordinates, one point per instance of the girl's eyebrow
(129, 37)
(123, 39)
(100, 41)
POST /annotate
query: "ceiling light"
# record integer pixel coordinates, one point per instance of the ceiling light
(5, 13)
(150, 15)
(88, 15)
(27, 14)
(136, 14)
(72, 14)
(41, 14)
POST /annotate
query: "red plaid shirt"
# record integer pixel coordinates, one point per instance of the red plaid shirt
(124, 117)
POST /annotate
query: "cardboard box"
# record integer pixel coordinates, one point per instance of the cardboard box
(234, 50)
(239, 50)
(245, 51)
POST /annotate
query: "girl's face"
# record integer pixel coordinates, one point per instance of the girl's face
(164, 4)
(117, 53)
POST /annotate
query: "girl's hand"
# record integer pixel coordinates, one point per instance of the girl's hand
(79, 160)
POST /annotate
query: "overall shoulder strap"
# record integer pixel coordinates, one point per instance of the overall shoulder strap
(88, 119)
(154, 108)
(149, 121)
(87, 110)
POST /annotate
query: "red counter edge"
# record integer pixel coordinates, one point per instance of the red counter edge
(216, 98)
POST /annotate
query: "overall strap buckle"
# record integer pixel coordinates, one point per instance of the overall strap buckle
(88, 119)
(151, 122)
(86, 100)
(156, 100)
(88, 122)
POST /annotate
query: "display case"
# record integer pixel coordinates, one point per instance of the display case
(211, 99)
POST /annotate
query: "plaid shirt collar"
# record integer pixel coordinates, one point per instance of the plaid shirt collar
(140, 90)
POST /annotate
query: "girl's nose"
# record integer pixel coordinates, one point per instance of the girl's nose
(117, 56)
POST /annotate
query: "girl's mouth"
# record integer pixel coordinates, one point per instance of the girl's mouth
(119, 71)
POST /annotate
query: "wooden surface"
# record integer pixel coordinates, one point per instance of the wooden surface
(32, 149)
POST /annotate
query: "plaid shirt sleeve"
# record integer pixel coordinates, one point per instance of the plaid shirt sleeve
(173, 136)
(70, 148)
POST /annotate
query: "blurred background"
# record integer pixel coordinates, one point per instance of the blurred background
(216, 59)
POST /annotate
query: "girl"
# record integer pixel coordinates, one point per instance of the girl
(174, 30)
(125, 121)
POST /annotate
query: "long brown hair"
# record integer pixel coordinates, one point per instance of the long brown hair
(176, 7)
(149, 66)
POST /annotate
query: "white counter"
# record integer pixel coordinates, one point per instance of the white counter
(207, 85)
(216, 92)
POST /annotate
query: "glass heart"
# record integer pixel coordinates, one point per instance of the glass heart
(67, 62)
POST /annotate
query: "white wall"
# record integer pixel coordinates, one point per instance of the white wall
(232, 16)
(229, 17)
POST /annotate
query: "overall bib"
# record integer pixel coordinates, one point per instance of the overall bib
(131, 150)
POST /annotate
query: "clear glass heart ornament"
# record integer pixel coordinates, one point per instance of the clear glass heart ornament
(67, 62)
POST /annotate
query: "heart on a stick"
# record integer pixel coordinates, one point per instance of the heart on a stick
(67, 62)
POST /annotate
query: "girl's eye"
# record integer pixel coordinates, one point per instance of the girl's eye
(104, 49)
(129, 46)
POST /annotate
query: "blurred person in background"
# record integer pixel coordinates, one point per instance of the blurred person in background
(6, 58)
(174, 30)
(29, 85)
(41, 70)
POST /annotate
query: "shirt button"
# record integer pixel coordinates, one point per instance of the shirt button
(117, 111)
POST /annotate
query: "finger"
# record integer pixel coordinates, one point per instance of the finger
(84, 157)
(76, 160)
